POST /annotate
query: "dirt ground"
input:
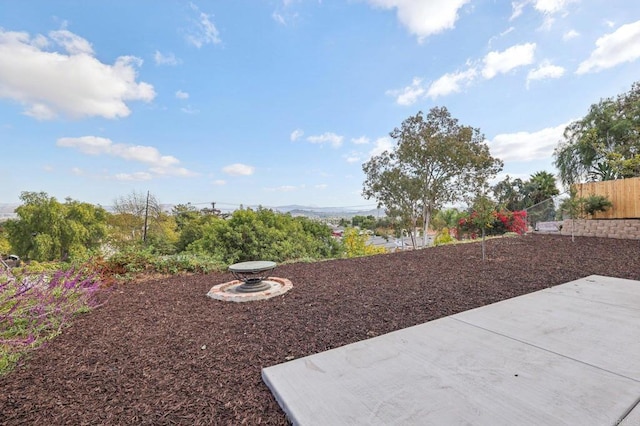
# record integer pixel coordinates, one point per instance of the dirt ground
(160, 352)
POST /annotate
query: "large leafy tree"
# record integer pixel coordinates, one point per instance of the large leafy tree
(605, 143)
(435, 160)
(49, 230)
(263, 234)
(517, 194)
(510, 194)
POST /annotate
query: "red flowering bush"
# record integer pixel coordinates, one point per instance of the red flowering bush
(504, 221)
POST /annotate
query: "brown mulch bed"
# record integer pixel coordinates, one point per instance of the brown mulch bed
(161, 352)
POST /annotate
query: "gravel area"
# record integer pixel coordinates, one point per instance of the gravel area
(161, 352)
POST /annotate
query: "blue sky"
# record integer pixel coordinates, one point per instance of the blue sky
(280, 102)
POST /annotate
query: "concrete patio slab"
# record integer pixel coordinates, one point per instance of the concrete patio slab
(561, 356)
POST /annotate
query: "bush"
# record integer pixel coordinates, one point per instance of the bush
(595, 203)
(132, 261)
(355, 244)
(443, 237)
(503, 221)
(264, 234)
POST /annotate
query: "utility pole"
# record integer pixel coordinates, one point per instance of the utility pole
(146, 218)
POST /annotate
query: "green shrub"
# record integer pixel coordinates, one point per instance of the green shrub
(443, 237)
(595, 203)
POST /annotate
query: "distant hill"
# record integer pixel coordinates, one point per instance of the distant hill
(325, 212)
(7, 210)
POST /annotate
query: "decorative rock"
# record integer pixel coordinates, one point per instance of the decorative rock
(229, 291)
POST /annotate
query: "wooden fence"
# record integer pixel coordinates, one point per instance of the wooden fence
(623, 193)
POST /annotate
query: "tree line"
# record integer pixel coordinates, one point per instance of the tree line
(47, 229)
(436, 161)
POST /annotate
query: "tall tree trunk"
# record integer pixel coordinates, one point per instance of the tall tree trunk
(425, 226)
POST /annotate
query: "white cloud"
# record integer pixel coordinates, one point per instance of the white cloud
(75, 83)
(182, 95)
(450, 83)
(410, 94)
(278, 18)
(526, 146)
(424, 18)
(72, 43)
(571, 34)
(381, 145)
(95, 145)
(203, 31)
(168, 59)
(362, 140)
(517, 7)
(189, 110)
(620, 46)
(238, 169)
(219, 182)
(159, 165)
(296, 134)
(547, 7)
(138, 176)
(503, 62)
(77, 171)
(545, 71)
(328, 137)
(551, 6)
(286, 188)
(321, 186)
(353, 157)
(172, 171)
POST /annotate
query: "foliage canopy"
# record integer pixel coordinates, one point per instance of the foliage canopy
(435, 160)
(605, 143)
(49, 230)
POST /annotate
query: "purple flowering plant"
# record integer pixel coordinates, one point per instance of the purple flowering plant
(36, 308)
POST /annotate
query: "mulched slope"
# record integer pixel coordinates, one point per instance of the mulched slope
(161, 352)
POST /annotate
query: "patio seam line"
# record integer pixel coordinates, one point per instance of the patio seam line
(545, 349)
(629, 410)
(591, 300)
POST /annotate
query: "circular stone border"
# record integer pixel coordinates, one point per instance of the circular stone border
(227, 291)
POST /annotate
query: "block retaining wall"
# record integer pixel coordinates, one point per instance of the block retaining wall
(607, 228)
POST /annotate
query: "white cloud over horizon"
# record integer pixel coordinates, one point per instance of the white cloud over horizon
(70, 81)
(618, 47)
(159, 165)
(527, 146)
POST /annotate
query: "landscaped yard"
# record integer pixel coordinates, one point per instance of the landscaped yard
(161, 352)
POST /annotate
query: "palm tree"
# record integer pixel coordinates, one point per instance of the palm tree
(542, 186)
